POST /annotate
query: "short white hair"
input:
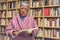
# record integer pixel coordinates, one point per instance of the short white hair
(24, 3)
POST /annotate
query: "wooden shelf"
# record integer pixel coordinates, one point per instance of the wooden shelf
(2, 25)
(2, 32)
(53, 6)
(38, 16)
(52, 16)
(3, 2)
(53, 27)
(2, 17)
(12, 9)
(11, 1)
(52, 38)
(9, 17)
(48, 37)
(36, 7)
(39, 36)
(3, 9)
(40, 27)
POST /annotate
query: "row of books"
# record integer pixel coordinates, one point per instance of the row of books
(49, 33)
(2, 29)
(2, 0)
(9, 20)
(11, 13)
(45, 39)
(52, 22)
(52, 2)
(4, 37)
(40, 32)
(2, 21)
(52, 33)
(2, 6)
(11, 5)
(39, 22)
(2, 13)
(48, 22)
(38, 39)
(52, 11)
(11, 0)
(47, 12)
(36, 12)
(36, 3)
(50, 39)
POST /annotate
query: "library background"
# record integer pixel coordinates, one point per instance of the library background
(45, 12)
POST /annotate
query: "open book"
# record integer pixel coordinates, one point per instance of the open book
(29, 30)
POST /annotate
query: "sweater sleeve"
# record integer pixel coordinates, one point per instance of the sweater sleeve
(35, 31)
(9, 30)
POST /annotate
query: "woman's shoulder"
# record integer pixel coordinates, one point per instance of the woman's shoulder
(31, 17)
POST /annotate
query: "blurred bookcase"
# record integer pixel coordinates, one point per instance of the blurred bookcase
(45, 12)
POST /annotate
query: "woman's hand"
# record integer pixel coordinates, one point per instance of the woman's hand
(14, 33)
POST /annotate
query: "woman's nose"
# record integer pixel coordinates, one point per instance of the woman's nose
(23, 10)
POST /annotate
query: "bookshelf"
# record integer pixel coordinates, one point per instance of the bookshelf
(45, 12)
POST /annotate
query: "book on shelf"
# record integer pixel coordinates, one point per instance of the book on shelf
(0, 14)
(41, 3)
(9, 20)
(3, 21)
(3, 13)
(0, 7)
(51, 22)
(46, 2)
(40, 12)
(40, 33)
(36, 19)
(52, 2)
(2, 0)
(3, 6)
(57, 22)
(11, 0)
(37, 3)
(36, 12)
(11, 5)
(34, 4)
(40, 22)
(31, 3)
(52, 11)
(46, 11)
(11, 13)
(1, 37)
(38, 39)
(58, 11)
(52, 33)
(2, 29)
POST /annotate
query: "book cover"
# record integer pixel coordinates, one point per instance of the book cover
(29, 31)
(46, 11)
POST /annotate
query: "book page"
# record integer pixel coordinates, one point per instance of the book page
(29, 30)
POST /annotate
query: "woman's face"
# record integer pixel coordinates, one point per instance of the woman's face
(23, 10)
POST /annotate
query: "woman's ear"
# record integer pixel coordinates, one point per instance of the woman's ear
(19, 11)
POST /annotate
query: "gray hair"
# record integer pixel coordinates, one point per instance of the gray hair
(24, 3)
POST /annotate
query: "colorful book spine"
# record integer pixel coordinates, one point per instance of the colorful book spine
(46, 11)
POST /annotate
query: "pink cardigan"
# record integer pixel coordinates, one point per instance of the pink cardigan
(17, 24)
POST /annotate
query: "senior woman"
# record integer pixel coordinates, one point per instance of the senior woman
(22, 22)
